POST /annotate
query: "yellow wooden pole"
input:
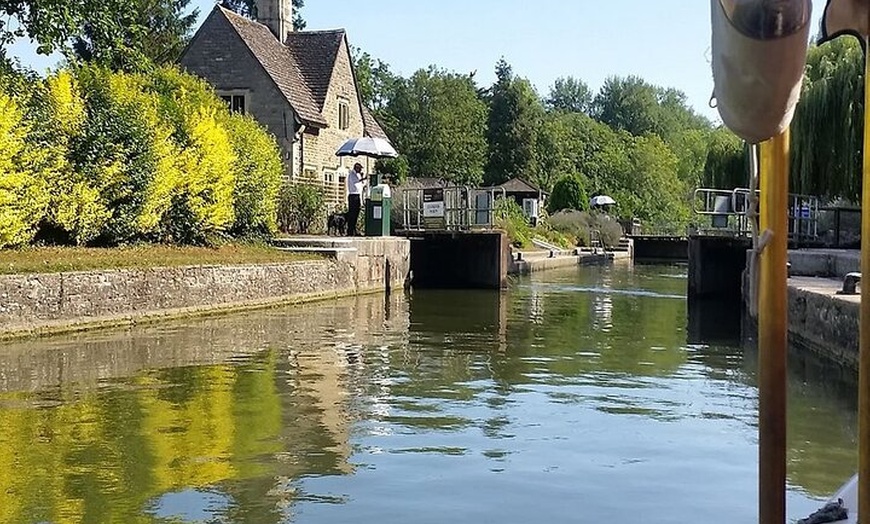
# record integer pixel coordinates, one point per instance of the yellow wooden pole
(773, 330)
(864, 366)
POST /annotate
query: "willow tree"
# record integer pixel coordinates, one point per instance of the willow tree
(726, 165)
(829, 122)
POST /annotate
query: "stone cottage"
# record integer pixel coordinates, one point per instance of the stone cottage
(298, 84)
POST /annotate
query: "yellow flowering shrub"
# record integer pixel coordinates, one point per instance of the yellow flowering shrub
(128, 152)
(209, 181)
(90, 156)
(258, 173)
(77, 213)
(23, 195)
(202, 203)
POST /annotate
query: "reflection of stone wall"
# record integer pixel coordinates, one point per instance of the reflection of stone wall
(58, 301)
(82, 359)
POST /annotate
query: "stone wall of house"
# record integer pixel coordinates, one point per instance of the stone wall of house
(219, 56)
(64, 301)
(319, 150)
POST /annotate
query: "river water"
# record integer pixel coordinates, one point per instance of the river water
(582, 395)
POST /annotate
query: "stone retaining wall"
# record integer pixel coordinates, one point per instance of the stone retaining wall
(825, 325)
(44, 303)
(819, 320)
(528, 266)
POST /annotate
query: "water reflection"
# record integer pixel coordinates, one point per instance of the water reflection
(563, 399)
(186, 420)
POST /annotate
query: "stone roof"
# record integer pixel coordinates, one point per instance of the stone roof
(372, 126)
(315, 53)
(518, 185)
(302, 69)
(280, 64)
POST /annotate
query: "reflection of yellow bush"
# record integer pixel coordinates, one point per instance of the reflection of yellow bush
(191, 441)
(170, 433)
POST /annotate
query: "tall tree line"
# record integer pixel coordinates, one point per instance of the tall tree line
(125, 35)
(640, 143)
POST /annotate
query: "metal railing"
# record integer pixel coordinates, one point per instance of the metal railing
(454, 208)
(726, 212)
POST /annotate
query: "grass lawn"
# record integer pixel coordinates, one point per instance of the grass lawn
(57, 259)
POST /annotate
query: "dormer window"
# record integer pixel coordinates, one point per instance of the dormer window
(343, 114)
(236, 101)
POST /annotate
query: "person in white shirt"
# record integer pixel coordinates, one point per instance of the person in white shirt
(355, 185)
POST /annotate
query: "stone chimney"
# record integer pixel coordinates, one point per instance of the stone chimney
(277, 15)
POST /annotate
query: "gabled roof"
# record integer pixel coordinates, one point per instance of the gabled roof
(372, 126)
(280, 65)
(315, 52)
(518, 185)
(302, 68)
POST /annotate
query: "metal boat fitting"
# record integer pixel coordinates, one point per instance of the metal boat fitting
(759, 54)
(843, 17)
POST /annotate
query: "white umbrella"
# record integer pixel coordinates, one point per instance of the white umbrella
(602, 200)
(367, 146)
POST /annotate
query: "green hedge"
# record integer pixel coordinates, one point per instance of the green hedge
(94, 157)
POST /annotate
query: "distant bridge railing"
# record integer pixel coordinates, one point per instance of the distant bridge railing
(454, 208)
(725, 213)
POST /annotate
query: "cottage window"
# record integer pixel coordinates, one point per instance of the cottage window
(236, 103)
(343, 115)
(310, 173)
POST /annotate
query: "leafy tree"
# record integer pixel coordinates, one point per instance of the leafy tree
(438, 123)
(726, 166)
(631, 104)
(675, 114)
(828, 128)
(52, 23)
(568, 193)
(575, 143)
(158, 33)
(691, 147)
(515, 117)
(396, 168)
(652, 191)
(553, 151)
(376, 83)
(249, 8)
(570, 94)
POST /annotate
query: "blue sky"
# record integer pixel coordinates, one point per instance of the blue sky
(667, 42)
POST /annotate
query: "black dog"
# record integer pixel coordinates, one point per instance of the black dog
(336, 224)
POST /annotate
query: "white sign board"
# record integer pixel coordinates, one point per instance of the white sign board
(433, 209)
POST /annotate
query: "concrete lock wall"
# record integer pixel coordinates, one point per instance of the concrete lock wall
(42, 303)
(716, 266)
(660, 249)
(473, 260)
(820, 320)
